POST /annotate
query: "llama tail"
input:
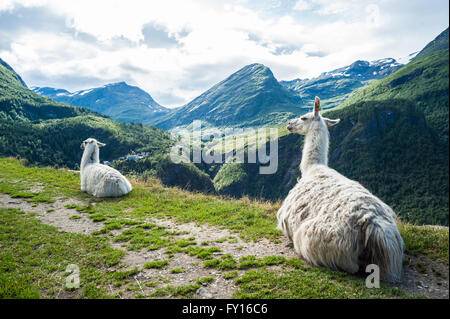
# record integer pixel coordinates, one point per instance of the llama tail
(384, 248)
(118, 187)
(125, 187)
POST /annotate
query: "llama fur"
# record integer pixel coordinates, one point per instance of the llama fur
(334, 221)
(97, 179)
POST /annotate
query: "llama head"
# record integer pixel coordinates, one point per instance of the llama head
(311, 121)
(91, 143)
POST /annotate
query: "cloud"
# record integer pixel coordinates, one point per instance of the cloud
(64, 80)
(17, 20)
(302, 5)
(177, 49)
(158, 37)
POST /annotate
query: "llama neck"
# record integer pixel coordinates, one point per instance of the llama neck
(315, 149)
(90, 156)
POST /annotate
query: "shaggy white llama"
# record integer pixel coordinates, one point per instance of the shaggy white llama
(97, 179)
(333, 221)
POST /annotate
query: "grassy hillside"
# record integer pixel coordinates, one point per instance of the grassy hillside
(389, 147)
(243, 179)
(184, 175)
(25, 244)
(424, 81)
(57, 142)
(439, 43)
(12, 74)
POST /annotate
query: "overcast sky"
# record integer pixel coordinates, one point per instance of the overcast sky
(175, 50)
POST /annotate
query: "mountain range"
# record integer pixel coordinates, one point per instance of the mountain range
(335, 86)
(120, 101)
(252, 96)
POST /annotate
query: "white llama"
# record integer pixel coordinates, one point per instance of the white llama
(333, 221)
(97, 179)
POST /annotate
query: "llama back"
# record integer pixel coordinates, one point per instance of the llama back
(327, 211)
(105, 181)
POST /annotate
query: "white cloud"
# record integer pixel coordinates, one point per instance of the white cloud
(6, 5)
(201, 42)
(302, 5)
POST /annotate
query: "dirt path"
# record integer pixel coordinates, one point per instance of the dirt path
(432, 283)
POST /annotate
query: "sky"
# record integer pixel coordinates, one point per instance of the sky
(175, 50)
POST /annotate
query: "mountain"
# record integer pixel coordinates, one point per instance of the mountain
(47, 132)
(11, 73)
(438, 44)
(18, 103)
(425, 80)
(392, 138)
(249, 97)
(335, 86)
(120, 101)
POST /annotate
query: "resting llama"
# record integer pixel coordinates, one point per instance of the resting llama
(97, 179)
(334, 221)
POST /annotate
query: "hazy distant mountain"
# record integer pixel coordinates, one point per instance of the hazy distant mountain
(120, 101)
(250, 96)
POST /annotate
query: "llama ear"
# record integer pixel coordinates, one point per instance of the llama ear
(101, 144)
(330, 122)
(316, 106)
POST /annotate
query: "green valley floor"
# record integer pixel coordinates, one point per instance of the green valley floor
(160, 242)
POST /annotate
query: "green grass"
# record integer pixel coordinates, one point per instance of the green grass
(156, 264)
(34, 256)
(225, 262)
(307, 283)
(202, 253)
(121, 275)
(97, 217)
(298, 280)
(177, 270)
(205, 280)
(230, 275)
(423, 241)
(186, 291)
